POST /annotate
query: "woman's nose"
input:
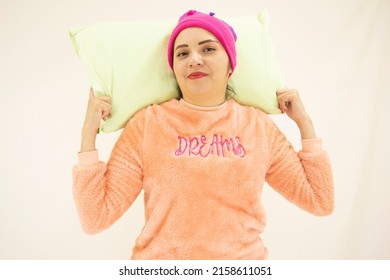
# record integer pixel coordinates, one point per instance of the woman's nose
(196, 59)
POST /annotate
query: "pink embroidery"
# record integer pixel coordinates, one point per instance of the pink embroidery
(180, 151)
(201, 146)
(194, 143)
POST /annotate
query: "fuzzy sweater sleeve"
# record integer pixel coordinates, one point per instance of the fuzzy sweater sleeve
(305, 178)
(103, 192)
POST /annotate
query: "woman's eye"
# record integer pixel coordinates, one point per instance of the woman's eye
(209, 49)
(181, 54)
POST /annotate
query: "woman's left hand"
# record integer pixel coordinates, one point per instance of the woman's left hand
(291, 104)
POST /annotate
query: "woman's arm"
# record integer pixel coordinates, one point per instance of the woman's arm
(305, 178)
(103, 192)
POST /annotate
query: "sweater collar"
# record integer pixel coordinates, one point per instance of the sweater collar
(203, 108)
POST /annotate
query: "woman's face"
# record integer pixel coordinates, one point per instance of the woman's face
(201, 66)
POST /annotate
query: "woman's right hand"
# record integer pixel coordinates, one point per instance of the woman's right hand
(98, 108)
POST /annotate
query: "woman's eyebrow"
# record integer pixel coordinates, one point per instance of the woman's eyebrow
(181, 46)
(208, 41)
(200, 43)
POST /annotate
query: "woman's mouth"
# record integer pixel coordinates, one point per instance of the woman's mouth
(196, 75)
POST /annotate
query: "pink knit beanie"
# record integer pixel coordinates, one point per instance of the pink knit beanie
(220, 29)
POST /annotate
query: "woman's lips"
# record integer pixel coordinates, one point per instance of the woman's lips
(196, 75)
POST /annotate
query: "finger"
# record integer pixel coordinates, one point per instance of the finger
(105, 111)
(91, 93)
(282, 95)
(105, 116)
(288, 96)
(281, 91)
(284, 107)
(106, 99)
(283, 100)
(102, 102)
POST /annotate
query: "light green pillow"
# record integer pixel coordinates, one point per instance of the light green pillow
(128, 62)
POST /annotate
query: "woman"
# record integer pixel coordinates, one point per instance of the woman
(201, 160)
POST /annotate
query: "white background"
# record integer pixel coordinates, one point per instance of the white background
(336, 53)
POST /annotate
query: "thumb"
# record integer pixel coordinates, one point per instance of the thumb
(91, 93)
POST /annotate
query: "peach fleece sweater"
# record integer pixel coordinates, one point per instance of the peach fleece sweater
(202, 171)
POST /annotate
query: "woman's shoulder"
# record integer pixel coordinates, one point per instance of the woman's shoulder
(249, 109)
(168, 104)
(255, 114)
(165, 107)
(152, 111)
(154, 108)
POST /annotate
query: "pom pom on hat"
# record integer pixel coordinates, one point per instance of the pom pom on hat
(220, 29)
